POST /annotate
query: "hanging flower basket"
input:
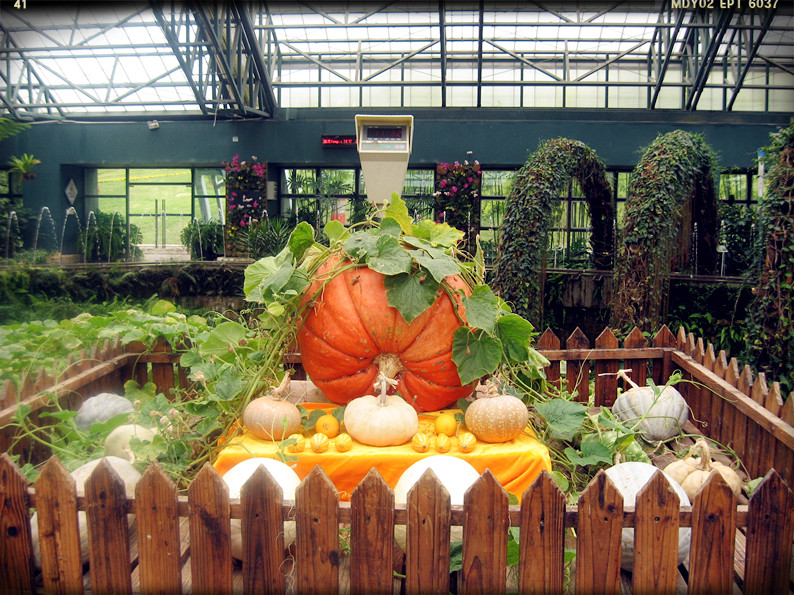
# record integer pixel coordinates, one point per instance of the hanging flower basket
(246, 203)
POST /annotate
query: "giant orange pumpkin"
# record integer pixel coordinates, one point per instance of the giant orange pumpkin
(350, 333)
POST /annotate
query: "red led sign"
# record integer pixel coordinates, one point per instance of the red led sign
(338, 140)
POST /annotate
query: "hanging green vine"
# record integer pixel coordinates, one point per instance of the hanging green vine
(520, 267)
(671, 190)
(770, 324)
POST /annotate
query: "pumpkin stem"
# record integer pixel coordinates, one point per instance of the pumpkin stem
(383, 382)
(705, 454)
(389, 364)
(622, 374)
(278, 392)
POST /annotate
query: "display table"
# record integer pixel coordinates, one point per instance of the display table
(515, 464)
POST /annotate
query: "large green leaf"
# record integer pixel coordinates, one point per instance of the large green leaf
(301, 238)
(563, 418)
(223, 340)
(411, 293)
(515, 333)
(437, 234)
(391, 257)
(475, 353)
(398, 211)
(591, 453)
(336, 231)
(481, 308)
(439, 263)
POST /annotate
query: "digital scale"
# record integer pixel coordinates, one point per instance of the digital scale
(384, 146)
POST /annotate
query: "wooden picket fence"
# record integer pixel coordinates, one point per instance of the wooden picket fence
(180, 543)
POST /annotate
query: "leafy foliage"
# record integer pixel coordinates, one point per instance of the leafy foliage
(539, 183)
(11, 127)
(203, 240)
(676, 168)
(457, 194)
(771, 315)
(107, 240)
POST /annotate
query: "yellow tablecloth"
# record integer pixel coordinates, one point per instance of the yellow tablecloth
(515, 464)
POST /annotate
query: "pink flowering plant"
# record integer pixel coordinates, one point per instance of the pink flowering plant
(457, 197)
(245, 199)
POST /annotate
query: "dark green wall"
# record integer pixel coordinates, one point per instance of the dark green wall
(496, 138)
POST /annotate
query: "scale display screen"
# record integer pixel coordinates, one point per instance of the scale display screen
(384, 132)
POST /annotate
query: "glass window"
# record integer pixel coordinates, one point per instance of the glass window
(209, 194)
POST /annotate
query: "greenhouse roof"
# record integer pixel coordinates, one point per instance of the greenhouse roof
(123, 60)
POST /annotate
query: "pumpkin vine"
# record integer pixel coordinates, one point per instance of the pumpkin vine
(520, 266)
(671, 190)
(770, 325)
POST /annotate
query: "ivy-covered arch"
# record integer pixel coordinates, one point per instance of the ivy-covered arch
(520, 266)
(671, 195)
(770, 321)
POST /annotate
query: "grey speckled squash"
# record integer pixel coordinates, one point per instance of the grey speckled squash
(663, 417)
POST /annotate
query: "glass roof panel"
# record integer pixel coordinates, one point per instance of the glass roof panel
(139, 59)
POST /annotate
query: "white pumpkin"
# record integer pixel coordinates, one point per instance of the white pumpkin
(122, 467)
(272, 416)
(455, 474)
(693, 472)
(117, 443)
(660, 417)
(236, 477)
(629, 478)
(385, 420)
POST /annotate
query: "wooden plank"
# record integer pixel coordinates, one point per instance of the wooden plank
(661, 368)
(547, 341)
(157, 516)
(770, 530)
(639, 367)
(58, 528)
(599, 527)
(755, 412)
(606, 387)
(787, 412)
(656, 537)
(541, 555)
(485, 537)
(713, 537)
(427, 537)
(262, 531)
(371, 535)
(577, 371)
(210, 533)
(317, 555)
(163, 373)
(16, 547)
(108, 533)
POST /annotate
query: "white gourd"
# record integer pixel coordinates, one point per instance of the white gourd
(693, 472)
(455, 474)
(235, 479)
(629, 478)
(117, 443)
(660, 417)
(129, 475)
(385, 420)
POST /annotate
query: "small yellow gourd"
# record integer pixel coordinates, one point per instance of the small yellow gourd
(298, 445)
(467, 442)
(443, 443)
(420, 442)
(691, 472)
(344, 442)
(320, 442)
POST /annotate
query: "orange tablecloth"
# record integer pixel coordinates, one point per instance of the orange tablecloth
(515, 464)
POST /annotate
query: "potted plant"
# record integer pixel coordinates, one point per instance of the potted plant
(24, 165)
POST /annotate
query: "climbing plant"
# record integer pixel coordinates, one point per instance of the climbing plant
(770, 324)
(520, 265)
(670, 212)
